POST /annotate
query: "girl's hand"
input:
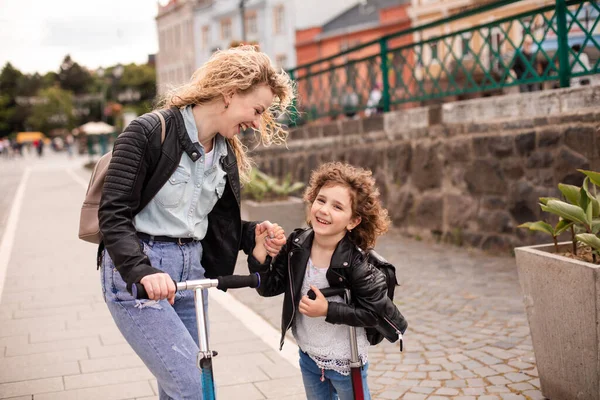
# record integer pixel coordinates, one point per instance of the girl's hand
(159, 286)
(314, 308)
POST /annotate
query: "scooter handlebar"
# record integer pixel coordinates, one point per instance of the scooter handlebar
(327, 292)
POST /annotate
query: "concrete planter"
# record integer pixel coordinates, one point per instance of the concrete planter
(289, 214)
(561, 298)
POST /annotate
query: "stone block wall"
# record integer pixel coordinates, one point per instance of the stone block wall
(466, 172)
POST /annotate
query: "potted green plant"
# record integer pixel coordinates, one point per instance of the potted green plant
(561, 288)
(266, 198)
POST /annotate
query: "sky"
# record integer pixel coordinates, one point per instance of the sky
(35, 35)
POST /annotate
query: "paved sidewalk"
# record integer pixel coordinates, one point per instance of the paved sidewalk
(468, 336)
(57, 339)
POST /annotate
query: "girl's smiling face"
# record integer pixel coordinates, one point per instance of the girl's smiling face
(331, 213)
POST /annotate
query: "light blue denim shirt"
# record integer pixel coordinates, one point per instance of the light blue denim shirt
(180, 208)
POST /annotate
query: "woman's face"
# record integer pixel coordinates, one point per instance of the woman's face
(244, 110)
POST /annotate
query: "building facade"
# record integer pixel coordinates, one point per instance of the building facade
(175, 60)
(363, 22)
(191, 30)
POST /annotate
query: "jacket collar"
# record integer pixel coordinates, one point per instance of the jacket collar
(342, 255)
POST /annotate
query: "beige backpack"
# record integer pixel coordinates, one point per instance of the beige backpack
(89, 227)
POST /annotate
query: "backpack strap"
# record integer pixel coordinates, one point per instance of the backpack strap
(163, 126)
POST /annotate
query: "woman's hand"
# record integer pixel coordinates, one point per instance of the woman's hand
(260, 250)
(314, 308)
(159, 286)
(275, 238)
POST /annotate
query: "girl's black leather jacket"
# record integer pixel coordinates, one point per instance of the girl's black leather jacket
(349, 268)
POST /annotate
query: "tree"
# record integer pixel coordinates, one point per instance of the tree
(10, 112)
(137, 87)
(9, 80)
(28, 85)
(55, 110)
(73, 76)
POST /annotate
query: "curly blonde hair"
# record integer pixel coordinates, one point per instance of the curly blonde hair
(364, 196)
(238, 70)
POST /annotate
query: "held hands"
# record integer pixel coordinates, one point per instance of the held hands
(269, 239)
(314, 308)
(159, 286)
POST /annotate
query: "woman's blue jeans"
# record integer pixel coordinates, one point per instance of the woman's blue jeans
(165, 337)
(336, 386)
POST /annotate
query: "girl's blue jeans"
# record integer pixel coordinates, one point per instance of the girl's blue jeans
(165, 337)
(335, 386)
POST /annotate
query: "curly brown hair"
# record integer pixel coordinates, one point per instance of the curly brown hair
(364, 196)
(238, 70)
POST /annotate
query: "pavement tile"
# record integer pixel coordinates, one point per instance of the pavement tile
(35, 386)
(516, 377)
(51, 347)
(534, 395)
(422, 389)
(443, 391)
(109, 392)
(521, 387)
(244, 391)
(37, 371)
(279, 388)
(103, 378)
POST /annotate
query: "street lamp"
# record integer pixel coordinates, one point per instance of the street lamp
(243, 15)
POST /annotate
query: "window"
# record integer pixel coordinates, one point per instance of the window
(250, 22)
(466, 45)
(434, 51)
(205, 36)
(226, 29)
(281, 60)
(278, 19)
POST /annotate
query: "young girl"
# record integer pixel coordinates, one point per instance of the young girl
(345, 219)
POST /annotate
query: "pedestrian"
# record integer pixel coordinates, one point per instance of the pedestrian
(40, 147)
(526, 66)
(579, 65)
(374, 102)
(171, 210)
(69, 142)
(345, 216)
(350, 102)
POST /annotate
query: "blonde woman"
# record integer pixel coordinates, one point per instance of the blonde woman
(171, 210)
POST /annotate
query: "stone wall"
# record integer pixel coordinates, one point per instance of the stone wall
(466, 172)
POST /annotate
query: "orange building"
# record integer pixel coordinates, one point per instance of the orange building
(364, 22)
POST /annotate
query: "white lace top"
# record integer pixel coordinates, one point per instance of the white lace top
(327, 344)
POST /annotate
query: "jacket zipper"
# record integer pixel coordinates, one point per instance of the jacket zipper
(293, 302)
(397, 331)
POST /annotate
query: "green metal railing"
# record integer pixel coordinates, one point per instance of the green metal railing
(533, 50)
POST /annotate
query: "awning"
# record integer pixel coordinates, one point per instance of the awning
(97, 128)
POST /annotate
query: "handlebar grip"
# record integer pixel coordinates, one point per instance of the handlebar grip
(238, 281)
(327, 292)
(138, 291)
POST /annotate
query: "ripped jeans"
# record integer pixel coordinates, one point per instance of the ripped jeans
(165, 337)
